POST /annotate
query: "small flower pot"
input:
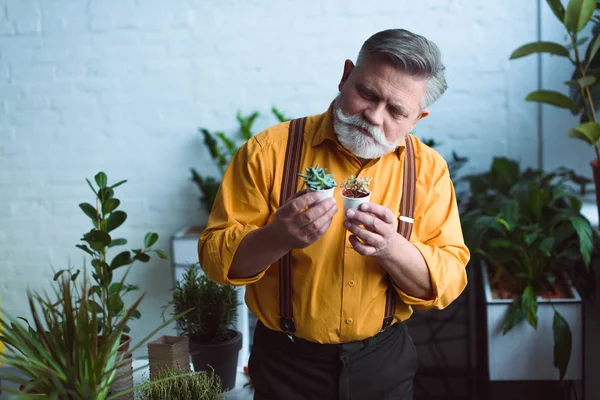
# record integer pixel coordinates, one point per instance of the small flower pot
(353, 200)
(324, 194)
(168, 352)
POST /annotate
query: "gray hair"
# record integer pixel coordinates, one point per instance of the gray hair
(411, 53)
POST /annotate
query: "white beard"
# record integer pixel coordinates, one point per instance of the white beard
(357, 142)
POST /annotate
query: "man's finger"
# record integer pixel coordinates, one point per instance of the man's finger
(296, 205)
(383, 213)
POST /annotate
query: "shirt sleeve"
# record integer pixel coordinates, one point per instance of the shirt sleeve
(437, 234)
(241, 206)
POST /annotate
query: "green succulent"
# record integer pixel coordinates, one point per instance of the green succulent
(316, 178)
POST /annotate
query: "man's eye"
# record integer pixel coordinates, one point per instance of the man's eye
(366, 95)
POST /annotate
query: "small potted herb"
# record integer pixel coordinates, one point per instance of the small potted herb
(203, 385)
(355, 192)
(317, 180)
(214, 343)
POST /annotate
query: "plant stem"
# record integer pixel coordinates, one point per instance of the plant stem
(102, 255)
(590, 106)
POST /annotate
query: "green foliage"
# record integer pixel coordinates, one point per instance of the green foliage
(584, 85)
(63, 356)
(191, 386)
(106, 217)
(528, 228)
(214, 306)
(222, 149)
(316, 178)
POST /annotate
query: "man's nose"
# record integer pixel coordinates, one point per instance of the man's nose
(374, 114)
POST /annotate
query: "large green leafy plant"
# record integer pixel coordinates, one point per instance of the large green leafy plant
(528, 228)
(214, 307)
(63, 355)
(222, 148)
(106, 217)
(586, 76)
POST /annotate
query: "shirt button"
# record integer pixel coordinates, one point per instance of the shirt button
(351, 283)
(349, 321)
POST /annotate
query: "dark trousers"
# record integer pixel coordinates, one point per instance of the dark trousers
(381, 367)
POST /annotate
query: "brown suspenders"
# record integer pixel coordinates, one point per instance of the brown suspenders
(288, 189)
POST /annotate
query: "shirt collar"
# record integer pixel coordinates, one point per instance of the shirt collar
(325, 132)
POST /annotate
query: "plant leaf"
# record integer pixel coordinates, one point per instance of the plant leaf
(514, 315)
(593, 50)
(588, 132)
(85, 248)
(101, 179)
(90, 211)
(553, 98)
(118, 184)
(562, 343)
(115, 220)
(161, 254)
(118, 242)
(584, 232)
(582, 82)
(115, 288)
(110, 205)
(97, 240)
(578, 14)
(123, 258)
(540, 47)
(143, 257)
(529, 305)
(558, 9)
(150, 239)
(510, 211)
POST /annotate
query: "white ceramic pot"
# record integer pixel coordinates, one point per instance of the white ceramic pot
(324, 194)
(354, 202)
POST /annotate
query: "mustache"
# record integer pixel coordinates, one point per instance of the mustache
(359, 121)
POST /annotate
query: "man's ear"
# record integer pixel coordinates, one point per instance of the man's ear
(348, 68)
(423, 114)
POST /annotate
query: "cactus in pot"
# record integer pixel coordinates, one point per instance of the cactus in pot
(317, 180)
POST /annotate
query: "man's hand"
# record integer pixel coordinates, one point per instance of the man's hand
(378, 231)
(299, 222)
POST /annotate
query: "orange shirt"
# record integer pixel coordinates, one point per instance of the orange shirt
(338, 295)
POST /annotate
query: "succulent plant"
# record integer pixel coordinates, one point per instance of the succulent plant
(356, 186)
(316, 178)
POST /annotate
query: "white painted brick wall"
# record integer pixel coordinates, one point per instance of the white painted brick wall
(122, 86)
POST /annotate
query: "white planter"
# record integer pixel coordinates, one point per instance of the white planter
(525, 353)
(352, 202)
(324, 194)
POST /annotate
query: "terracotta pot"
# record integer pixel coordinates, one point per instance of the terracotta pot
(596, 170)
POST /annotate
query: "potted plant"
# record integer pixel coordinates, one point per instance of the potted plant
(317, 180)
(63, 355)
(527, 230)
(106, 217)
(355, 192)
(585, 81)
(214, 344)
(190, 386)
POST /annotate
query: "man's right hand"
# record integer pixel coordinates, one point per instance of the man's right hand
(300, 221)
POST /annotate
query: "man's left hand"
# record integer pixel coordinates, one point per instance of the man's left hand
(378, 230)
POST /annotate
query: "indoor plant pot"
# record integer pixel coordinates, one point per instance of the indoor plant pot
(169, 352)
(221, 357)
(525, 353)
(352, 199)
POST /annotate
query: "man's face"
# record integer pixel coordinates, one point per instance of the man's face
(377, 107)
